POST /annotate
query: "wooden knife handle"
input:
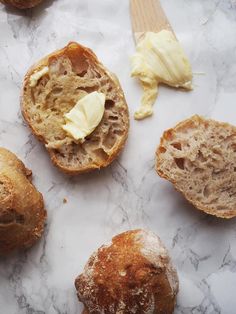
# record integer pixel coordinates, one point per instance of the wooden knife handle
(148, 16)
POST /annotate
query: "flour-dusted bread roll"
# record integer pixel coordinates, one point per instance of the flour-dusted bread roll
(22, 213)
(64, 77)
(22, 4)
(199, 157)
(133, 274)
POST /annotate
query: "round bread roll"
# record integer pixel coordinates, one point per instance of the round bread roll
(22, 213)
(133, 274)
(22, 4)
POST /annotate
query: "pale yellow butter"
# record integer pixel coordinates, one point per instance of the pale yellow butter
(159, 59)
(85, 116)
(37, 75)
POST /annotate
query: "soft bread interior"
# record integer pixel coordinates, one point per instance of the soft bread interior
(199, 157)
(73, 73)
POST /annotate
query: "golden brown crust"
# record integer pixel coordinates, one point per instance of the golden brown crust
(22, 4)
(172, 135)
(132, 275)
(22, 214)
(74, 51)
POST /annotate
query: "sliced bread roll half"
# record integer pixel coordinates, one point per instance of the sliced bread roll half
(72, 73)
(199, 157)
(22, 4)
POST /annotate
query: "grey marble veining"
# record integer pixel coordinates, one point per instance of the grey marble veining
(128, 194)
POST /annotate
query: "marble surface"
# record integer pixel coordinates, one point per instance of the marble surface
(128, 194)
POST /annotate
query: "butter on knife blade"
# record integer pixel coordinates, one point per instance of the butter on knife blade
(159, 57)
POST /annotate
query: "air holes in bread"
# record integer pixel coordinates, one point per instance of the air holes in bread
(233, 147)
(201, 157)
(87, 89)
(101, 154)
(109, 140)
(177, 146)
(162, 149)
(179, 163)
(113, 118)
(118, 132)
(81, 74)
(57, 91)
(198, 170)
(109, 104)
(206, 191)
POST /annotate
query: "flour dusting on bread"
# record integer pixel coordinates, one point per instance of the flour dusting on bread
(133, 274)
(153, 249)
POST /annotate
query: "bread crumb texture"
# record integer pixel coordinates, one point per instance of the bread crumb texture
(133, 274)
(22, 214)
(198, 156)
(74, 72)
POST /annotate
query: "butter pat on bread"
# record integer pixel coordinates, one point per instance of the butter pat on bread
(74, 73)
(85, 116)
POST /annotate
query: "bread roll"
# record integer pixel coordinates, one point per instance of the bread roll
(22, 4)
(22, 213)
(199, 157)
(133, 274)
(74, 72)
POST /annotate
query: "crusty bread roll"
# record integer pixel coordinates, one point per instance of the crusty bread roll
(133, 274)
(75, 71)
(22, 213)
(199, 157)
(22, 4)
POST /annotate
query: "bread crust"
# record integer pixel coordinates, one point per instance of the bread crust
(73, 50)
(22, 4)
(168, 136)
(133, 274)
(22, 213)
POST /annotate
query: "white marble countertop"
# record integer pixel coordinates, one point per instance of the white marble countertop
(128, 194)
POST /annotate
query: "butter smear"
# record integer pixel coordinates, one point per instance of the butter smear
(85, 116)
(37, 76)
(159, 59)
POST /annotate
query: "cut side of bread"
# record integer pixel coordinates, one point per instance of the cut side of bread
(75, 71)
(199, 157)
(22, 4)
